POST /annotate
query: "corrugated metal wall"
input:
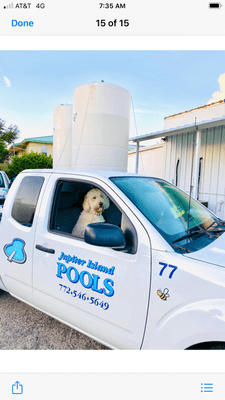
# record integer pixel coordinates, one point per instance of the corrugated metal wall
(212, 170)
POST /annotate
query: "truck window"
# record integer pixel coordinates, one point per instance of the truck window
(68, 205)
(25, 202)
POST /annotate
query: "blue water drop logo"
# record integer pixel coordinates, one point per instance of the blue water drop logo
(15, 251)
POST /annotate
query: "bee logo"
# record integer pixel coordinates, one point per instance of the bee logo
(163, 295)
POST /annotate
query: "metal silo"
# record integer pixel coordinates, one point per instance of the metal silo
(101, 117)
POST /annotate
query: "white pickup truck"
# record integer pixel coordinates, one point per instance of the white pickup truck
(151, 276)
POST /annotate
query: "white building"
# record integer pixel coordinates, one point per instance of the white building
(194, 153)
(150, 160)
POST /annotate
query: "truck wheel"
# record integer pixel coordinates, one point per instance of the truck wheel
(219, 346)
(208, 346)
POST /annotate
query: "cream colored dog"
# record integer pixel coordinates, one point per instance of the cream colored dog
(95, 202)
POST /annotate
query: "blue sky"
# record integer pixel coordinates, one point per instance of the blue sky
(161, 83)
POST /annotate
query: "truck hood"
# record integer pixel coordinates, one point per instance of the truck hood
(212, 254)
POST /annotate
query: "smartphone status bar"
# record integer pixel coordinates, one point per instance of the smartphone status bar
(128, 17)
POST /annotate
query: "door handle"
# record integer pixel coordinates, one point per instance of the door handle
(45, 249)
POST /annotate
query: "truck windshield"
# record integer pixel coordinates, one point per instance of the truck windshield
(167, 208)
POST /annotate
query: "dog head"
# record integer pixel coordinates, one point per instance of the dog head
(95, 202)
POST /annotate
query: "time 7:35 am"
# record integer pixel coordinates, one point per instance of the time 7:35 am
(112, 5)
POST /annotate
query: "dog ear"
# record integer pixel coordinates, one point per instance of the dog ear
(86, 204)
(106, 203)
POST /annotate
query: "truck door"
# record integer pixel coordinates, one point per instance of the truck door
(97, 290)
(17, 234)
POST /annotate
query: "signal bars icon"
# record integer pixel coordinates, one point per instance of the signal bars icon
(9, 6)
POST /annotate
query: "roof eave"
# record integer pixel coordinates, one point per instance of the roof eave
(180, 129)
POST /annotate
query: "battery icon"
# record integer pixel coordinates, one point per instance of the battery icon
(215, 5)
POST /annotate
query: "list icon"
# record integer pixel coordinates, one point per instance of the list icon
(206, 387)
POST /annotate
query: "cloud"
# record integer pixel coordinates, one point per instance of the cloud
(7, 81)
(36, 130)
(220, 94)
(142, 111)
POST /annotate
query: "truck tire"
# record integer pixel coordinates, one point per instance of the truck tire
(219, 346)
(208, 346)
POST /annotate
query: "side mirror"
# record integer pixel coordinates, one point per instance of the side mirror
(103, 234)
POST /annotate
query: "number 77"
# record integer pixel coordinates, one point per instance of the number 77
(164, 267)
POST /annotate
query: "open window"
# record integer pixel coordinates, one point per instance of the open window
(68, 205)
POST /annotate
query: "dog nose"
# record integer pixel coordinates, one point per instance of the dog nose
(100, 204)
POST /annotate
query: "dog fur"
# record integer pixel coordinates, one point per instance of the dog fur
(95, 202)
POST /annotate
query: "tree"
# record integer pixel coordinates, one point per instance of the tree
(3, 152)
(29, 161)
(7, 136)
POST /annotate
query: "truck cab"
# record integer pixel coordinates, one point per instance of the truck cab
(151, 276)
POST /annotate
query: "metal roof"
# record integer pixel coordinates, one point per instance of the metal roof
(180, 129)
(38, 139)
(197, 108)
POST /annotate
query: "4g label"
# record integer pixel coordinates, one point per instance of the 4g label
(113, 23)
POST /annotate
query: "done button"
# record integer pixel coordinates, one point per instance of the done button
(22, 23)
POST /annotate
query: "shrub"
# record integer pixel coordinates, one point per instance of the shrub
(29, 161)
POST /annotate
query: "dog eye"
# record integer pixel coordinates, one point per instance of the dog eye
(94, 197)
